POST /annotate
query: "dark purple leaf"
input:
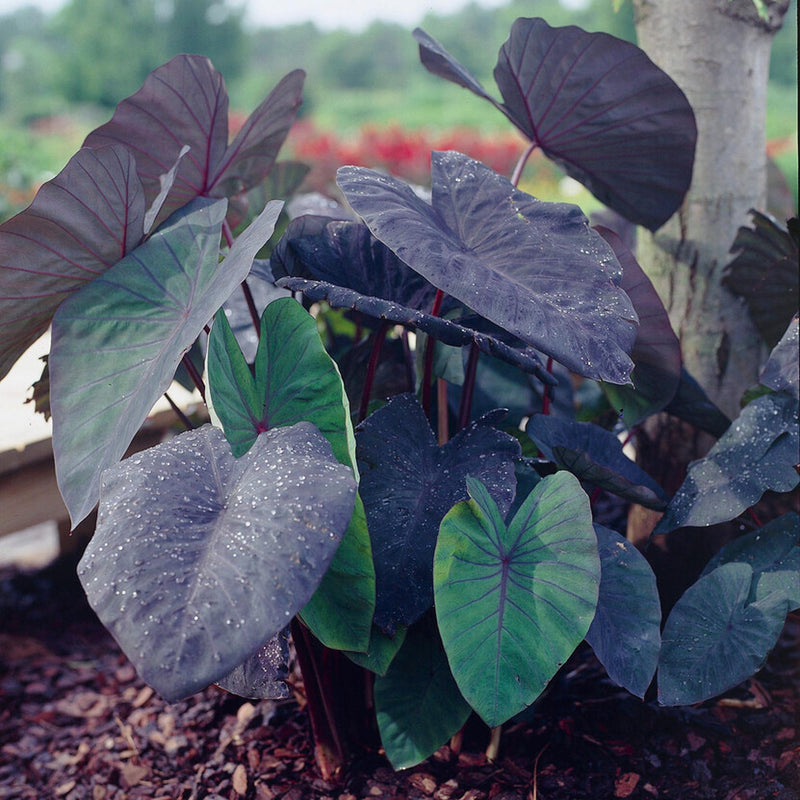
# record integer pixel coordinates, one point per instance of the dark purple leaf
(598, 107)
(184, 102)
(656, 352)
(263, 675)
(408, 484)
(79, 224)
(444, 330)
(535, 269)
(193, 574)
(765, 273)
(595, 455)
(693, 405)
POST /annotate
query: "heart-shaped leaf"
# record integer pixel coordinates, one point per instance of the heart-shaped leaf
(693, 405)
(656, 351)
(597, 106)
(782, 370)
(757, 453)
(117, 343)
(408, 484)
(626, 631)
(444, 330)
(79, 224)
(594, 455)
(764, 273)
(263, 675)
(194, 573)
(417, 704)
(184, 102)
(714, 637)
(513, 602)
(295, 379)
(535, 269)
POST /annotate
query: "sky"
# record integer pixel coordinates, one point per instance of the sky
(327, 14)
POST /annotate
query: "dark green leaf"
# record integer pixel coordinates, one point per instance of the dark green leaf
(513, 602)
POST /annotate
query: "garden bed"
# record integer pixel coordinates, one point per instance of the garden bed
(77, 722)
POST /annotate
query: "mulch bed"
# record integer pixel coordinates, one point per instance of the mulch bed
(77, 723)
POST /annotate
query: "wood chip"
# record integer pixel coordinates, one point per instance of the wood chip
(239, 780)
(625, 785)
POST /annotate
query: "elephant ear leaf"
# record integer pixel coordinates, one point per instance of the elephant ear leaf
(192, 575)
(603, 111)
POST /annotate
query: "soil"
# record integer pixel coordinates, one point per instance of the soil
(76, 722)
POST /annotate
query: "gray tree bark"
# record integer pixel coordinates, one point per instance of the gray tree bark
(718, 52)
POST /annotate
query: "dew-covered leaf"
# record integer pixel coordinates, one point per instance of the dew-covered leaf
(513, 601)
(773, 553)
(626, 630)
(79, 224)
(782, 370)
(714, 638)
(444, 330)
(184, 102)
(764, 272)
(536, 269)
(756, 454)
(295, 379)
(408, 484)
(594, 455)
(117, 343)
(417, 703)
(200, 558)
(263, 675)
(656, 351)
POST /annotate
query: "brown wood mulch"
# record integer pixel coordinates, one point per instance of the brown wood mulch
(77, 723)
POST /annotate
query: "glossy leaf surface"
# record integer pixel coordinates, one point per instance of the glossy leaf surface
(594, 455)
(417, 704)
(714, 637)
(598, 107)
(513, 601)
(79, 224)
(782, 370)
(295, 380)
(626, 630)
(117, 343)
(757, 453)
(535, 269)
(184, 102)
(408, 484)
(194, 574)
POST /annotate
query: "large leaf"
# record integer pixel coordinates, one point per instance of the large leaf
(117, 343)
(756, 454)
(656, 351)
(79, 224)
(535, 269)
(445, 330)
(417, 704)
(714, 637)
(782, 370)
(773, 553)
(626, 630)
(513, 602)
(184, 102)
(694, 406)
(295, 380)
(596, 105)
(199, 558)
(594, 455)
(764, 272)
(408, 484)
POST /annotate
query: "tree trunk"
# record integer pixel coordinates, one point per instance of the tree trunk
(718, 52)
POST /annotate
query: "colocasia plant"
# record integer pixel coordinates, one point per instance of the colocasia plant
(394, 468)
